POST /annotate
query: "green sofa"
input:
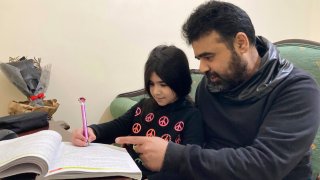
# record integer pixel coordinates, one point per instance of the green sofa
(306, 55)
(302, 53)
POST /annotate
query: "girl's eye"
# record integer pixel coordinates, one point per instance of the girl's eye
(163, 85)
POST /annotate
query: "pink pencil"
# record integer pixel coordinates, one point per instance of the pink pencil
(82, 101)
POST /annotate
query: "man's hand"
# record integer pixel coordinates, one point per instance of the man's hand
(151, 149)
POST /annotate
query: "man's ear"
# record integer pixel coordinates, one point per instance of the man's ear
(241, 43)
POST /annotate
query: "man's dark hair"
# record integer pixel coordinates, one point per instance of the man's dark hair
(224, 18)
(171, 65)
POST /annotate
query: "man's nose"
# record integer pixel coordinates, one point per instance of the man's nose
(203, 67)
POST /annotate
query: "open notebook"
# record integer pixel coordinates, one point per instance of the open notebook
(45, 154)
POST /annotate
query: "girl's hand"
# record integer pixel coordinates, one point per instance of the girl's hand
(78, 139)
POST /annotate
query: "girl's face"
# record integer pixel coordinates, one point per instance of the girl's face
(160, 91)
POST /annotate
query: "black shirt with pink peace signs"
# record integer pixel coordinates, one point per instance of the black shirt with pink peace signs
(179, 122)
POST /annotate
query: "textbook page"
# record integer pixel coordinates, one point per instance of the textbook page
(30, 153)
(95, 160)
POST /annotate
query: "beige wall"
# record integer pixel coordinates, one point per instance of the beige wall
(98, 48)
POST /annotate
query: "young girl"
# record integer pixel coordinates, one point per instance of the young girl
(168, 113)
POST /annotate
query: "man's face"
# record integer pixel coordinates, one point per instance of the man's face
(223, 67)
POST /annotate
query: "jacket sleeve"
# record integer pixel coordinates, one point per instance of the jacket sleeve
(108, 131)
(283, 139)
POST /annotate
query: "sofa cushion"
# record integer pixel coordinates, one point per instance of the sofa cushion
(120, 105)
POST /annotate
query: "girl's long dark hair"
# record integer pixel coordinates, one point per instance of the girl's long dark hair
(171, 65)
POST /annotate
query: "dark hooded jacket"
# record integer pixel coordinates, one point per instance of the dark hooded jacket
(261, 129)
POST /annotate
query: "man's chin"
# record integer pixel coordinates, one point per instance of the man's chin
(215, 88)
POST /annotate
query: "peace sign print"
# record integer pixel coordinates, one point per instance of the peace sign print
(163, 121)
(166, 137)
(179, 126)
(149, 117)
(138, 161)
(150, 133)
(138, 111)
(178, 139)
(136, 128)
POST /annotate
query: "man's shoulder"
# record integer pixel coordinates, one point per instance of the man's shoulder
(299, 75)
(298, 81)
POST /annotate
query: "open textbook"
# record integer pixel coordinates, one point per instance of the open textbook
(44, 153)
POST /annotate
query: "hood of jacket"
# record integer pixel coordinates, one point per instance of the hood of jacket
(273, 69)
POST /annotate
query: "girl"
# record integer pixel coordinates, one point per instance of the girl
(168, 113)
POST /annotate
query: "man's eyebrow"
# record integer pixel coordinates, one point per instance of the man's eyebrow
(203, 54)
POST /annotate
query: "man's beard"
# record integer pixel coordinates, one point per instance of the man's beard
(224, 83)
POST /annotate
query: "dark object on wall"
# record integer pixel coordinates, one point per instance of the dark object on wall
(24, 122)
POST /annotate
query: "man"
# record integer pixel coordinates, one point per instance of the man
(261, 113)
